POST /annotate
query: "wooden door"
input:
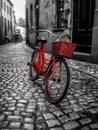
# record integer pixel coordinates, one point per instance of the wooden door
(83, 17)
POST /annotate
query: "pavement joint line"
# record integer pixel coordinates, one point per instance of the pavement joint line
(31, 50)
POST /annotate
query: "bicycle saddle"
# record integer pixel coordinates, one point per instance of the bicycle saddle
(42, 40)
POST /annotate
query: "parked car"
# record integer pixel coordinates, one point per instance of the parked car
(6, 39)
(17, 35)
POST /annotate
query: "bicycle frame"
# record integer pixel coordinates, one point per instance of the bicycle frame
(39, 68)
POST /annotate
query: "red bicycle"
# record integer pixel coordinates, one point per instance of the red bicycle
(56, 73)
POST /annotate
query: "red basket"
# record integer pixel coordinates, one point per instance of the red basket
(63, 48)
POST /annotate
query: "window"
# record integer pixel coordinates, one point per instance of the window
(60, 13)
(7, 9)
(37, 14)
(27, 24)
(5, 26)
(4, 6)
(37, 5)
(8, 25)
(2, 21)
(53, 1)
(10, 11)
(31, 14)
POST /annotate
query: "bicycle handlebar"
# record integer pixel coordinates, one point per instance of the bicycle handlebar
(48, 31)
(58, 36)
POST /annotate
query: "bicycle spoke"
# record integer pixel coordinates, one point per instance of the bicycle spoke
(35, 58)
(57, 84)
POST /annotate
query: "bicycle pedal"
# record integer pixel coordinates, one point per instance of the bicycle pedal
(28, 64)
(40, 79)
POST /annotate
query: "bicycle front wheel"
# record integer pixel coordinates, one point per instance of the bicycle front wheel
(57, 81)
(34, 58)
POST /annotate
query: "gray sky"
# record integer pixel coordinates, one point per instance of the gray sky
(19, 7)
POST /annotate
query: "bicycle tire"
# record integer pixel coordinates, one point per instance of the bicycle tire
(48, 83)
(33, 58)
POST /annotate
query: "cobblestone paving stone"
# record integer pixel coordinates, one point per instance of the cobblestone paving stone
(23, 105)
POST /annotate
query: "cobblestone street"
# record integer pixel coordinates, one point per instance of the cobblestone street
(23, 105)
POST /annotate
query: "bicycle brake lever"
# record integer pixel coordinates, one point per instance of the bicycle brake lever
(68, 36)
(58, 38)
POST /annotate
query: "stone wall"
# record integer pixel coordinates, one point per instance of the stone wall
(47, 14)
(48, 19)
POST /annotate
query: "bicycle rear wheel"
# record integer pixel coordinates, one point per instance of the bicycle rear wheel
(57, 82)
(34, 58)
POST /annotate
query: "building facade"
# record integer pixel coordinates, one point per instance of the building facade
(0, 23)
(7, 21)
(78, 18)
